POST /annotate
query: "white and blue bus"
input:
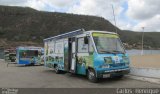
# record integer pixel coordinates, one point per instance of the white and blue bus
(97, 54)
(29, 55)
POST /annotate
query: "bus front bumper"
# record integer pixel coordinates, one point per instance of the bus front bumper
(110, 73)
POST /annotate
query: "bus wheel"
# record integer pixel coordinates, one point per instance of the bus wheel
(57, 69)
(92, 76)
(32, 64)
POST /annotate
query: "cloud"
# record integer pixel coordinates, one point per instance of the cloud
(146, 13)
(13, 2)
(36, 4)
(152, 24)
(124, 25)
(130, 14)
(143, 9)
(60, 3)
(101, 8)
(40, 4)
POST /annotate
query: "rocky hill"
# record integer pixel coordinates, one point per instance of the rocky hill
(26, 26)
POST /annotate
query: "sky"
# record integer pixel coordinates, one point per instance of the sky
(129, 14)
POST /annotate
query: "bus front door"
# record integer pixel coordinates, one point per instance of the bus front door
(72, 56)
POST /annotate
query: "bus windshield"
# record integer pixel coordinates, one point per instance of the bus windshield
(107, 43)
(28, 53)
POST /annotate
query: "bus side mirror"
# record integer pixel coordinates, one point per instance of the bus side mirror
(86, 40)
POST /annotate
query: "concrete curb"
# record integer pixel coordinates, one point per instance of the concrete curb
(146, 72)
(2, 60)
(147, 79)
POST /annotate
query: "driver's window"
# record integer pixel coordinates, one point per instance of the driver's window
(91, 49)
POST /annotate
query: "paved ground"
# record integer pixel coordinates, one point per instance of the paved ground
(15, 76)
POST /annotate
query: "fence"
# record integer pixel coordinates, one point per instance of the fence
(145, 65)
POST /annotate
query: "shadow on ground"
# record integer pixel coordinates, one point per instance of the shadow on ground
(84, 78)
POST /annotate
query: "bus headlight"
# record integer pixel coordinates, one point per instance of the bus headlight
(108, 60)
(125, 59)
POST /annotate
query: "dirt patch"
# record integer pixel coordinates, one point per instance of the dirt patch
(145, 61)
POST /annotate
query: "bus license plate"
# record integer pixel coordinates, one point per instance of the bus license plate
(106, 75)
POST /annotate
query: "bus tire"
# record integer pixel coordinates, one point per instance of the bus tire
(92, 76)
(32, 64)
(56, 69)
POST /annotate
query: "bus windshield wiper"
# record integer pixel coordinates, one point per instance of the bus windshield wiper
(102, 51)
(115, 51)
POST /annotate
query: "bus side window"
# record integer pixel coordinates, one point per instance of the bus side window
(24, 54)
(36, 53)
(59, 47)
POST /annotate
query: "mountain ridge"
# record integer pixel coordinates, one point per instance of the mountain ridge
(24, 24)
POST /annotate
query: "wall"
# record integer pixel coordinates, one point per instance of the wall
(145, 65)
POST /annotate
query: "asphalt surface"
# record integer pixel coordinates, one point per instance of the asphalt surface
(15, 76)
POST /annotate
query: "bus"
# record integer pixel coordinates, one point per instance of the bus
(29, 55)
(10, 55)
(96, 54)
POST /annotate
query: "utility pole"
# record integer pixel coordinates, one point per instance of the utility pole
(114, 18)
(142, 40)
